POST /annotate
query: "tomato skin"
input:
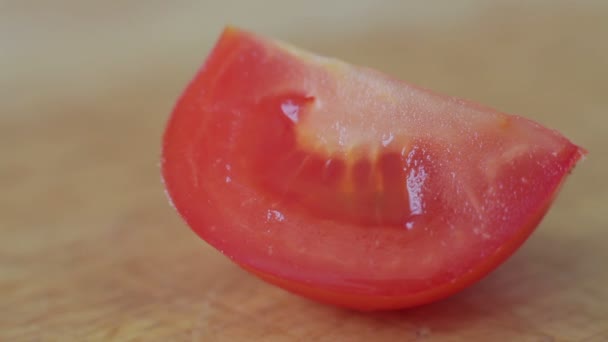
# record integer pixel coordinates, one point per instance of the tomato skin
(242, 169)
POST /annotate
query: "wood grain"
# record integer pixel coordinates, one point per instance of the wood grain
(91, 250)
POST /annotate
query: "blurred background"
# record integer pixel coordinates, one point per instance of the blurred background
(90, 249)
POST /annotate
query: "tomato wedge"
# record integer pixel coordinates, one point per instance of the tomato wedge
(344, 185)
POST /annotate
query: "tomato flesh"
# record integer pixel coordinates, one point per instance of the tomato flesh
(347, 186)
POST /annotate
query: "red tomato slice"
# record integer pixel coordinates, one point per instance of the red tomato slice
(347, 186)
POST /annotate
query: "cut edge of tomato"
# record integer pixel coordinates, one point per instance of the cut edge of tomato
(371, 302)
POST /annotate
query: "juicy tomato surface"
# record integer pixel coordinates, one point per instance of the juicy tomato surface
(344, 185)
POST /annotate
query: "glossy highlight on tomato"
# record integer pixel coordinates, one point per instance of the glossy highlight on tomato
(347, 186)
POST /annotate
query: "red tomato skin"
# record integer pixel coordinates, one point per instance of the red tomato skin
(208, 173)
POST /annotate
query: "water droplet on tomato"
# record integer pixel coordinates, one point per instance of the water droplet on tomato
(341, 130)
(387, 139)
(275, 215)
(291, 110)
(414, 184)
(333, 171)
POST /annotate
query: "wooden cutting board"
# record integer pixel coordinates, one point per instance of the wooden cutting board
(91, 250)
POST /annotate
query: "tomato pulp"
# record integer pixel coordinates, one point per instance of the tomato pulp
(344, 185)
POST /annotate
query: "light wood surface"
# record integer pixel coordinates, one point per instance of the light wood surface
(91, 250)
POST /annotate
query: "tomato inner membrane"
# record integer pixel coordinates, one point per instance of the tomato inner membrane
(385, 187)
